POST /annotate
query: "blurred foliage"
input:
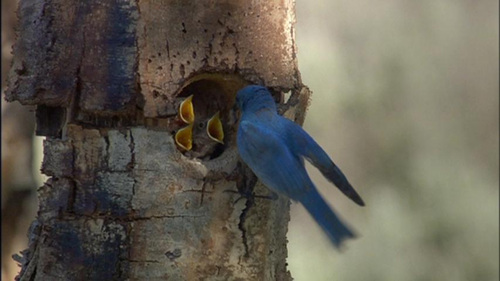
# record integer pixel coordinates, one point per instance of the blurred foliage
(21, 159)
(405, 100)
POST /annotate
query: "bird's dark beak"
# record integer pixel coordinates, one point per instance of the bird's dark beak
(235, 107)
(214, 128)
(236, 111)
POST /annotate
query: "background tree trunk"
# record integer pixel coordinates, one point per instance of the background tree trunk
(123, 202)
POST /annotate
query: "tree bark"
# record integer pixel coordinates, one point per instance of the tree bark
(123, 202)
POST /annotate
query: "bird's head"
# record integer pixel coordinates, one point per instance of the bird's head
(253, 98)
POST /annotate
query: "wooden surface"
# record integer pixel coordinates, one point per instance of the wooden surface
(123, 201)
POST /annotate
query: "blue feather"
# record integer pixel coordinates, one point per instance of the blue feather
(274, 148)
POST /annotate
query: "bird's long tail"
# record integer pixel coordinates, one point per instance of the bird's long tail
(337, 231)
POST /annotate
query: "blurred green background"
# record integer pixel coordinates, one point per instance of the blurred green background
(405, 100)
(406, 103)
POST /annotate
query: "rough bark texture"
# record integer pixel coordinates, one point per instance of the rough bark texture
(123, 201)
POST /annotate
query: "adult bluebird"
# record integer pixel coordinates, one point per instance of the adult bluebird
(274, 148)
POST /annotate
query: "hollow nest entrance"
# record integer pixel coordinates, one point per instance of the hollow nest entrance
(207, 115)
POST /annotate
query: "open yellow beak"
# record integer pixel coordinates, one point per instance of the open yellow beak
(184, 137)
(214, 129)
(186, 110)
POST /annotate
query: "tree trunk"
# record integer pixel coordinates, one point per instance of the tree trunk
(123, 201)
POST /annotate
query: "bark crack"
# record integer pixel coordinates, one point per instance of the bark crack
(168, 50)
(202, 192)
(241, 224)
(151, 261)
(131, 164)
(107, 155)
(245, 184)
(163, 217)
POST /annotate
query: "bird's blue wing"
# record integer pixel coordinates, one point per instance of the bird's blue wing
(304, 145)
(265, 151)
(271, 160)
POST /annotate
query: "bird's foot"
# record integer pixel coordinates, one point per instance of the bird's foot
(251, 195)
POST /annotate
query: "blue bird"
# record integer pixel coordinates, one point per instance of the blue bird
(274, 148)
